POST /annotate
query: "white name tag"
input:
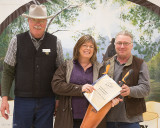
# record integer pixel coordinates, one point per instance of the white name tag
(46, 51)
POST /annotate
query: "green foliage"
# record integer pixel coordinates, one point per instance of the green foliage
(68, 16)
(146, 48)
(3, 45)
(101, 42)
(154, 67)
(17, 26)
(147, 23)
(155, 91)
(67, 57)
(143, 18)
(154, 71)
(121, 2)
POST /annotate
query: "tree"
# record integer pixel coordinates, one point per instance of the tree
(148, 23)
(154, 67)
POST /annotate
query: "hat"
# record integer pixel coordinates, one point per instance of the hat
(37, 12)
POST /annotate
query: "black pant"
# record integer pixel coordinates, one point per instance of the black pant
(77, 123)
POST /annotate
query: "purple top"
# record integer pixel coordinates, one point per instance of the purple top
(80, 77)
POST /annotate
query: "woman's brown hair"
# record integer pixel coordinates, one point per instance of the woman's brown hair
(82, 40)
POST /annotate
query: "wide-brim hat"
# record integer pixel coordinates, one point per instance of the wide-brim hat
(37, 12)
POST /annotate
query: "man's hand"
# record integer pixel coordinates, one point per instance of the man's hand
(5, 107)
(125, 90)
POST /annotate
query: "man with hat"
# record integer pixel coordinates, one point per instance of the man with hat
(32, 59)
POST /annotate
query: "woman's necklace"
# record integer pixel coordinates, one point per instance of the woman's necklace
(85, 66)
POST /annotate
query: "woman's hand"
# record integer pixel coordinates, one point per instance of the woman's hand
(87, 88)
(116, 101)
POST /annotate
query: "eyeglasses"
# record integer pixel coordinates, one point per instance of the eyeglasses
(86, 46)
(41, 21)
(120, 43)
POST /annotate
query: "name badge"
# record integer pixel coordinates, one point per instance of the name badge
(46, 51)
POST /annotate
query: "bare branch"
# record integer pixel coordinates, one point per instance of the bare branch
(59, 30)
(76, 31)
(70, 6)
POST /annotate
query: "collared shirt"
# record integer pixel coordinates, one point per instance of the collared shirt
(10, 57)
(80, 77)
(118, 68)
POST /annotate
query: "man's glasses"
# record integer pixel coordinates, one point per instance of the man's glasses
(120, 43)
(87, 46)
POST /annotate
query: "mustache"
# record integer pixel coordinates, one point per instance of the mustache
(38, 27)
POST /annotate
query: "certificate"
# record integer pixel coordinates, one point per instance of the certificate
(105, 90)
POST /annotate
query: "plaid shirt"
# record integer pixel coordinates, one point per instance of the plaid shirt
(10, 57)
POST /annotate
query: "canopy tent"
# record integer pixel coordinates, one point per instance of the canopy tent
(11, 9)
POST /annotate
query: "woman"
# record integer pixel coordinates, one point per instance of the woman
(71, 79)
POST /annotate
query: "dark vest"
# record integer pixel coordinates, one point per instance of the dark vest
(35, 69)
(134, 106)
